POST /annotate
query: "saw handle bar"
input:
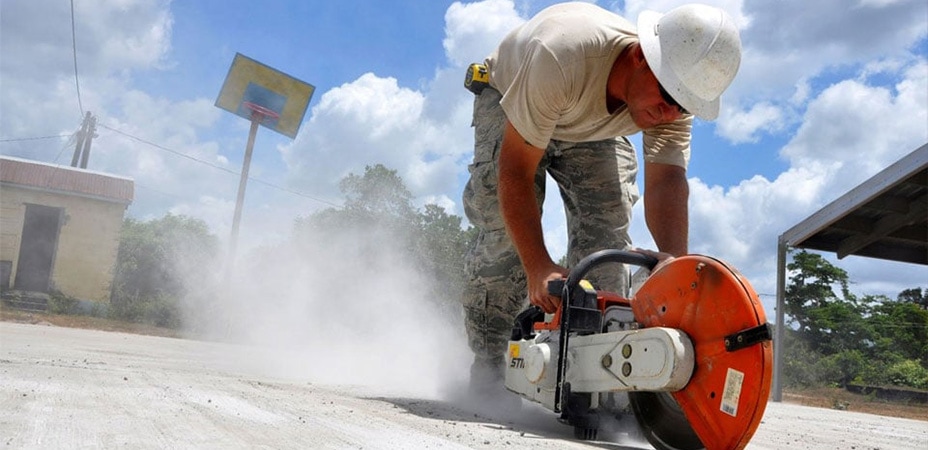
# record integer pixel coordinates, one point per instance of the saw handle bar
(557, 287)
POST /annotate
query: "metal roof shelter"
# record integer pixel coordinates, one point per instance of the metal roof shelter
(885, 217)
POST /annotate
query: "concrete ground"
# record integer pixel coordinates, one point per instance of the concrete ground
(75, 388)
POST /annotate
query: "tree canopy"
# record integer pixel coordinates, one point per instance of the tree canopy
(839, 338)
(378, 213)
(158, 263)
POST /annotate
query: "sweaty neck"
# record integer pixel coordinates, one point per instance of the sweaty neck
(622, 68)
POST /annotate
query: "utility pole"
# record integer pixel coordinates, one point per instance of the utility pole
(88, 139)
(78, 147)
(84, 139)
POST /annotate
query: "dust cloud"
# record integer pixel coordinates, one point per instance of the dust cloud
(348, 310)
(351, 310)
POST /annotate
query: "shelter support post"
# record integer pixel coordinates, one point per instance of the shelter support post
(777, 391)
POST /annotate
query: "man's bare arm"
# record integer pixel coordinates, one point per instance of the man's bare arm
(518, 163)
(666, 193)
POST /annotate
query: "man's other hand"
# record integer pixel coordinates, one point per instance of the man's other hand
(662, 258)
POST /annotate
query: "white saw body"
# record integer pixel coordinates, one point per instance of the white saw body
(649, 359)
(689, 354)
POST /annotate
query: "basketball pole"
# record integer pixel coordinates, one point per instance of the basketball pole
(258, 115)
(256, 119)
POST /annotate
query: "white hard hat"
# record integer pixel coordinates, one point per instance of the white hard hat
(694, 51)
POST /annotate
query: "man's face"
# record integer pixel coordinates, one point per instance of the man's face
(648, 103)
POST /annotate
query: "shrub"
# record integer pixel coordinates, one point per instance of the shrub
(158, 310)
(60, 303)
(908, 373)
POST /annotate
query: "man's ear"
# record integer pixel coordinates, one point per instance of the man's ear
(638, 55)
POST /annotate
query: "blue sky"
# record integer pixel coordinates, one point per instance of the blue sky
(829, 93)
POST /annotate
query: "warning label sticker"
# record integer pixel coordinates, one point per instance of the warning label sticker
(732, 394)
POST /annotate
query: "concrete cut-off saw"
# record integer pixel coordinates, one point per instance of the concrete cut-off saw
(688, 353)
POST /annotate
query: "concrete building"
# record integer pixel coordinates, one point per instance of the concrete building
(59, 228)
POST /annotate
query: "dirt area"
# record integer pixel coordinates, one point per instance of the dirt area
(840, 399)
(72, 387)
(85, 322)
(829, 398)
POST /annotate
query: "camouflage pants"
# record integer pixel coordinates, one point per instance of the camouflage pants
(597, 185)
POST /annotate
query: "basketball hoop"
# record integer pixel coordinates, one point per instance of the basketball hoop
(259, 113)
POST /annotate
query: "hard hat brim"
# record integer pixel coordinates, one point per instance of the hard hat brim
(649, 39)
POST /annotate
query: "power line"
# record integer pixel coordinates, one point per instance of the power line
(73, 138)
(168, 194)
(216, 166)
(36, 138)
(58, 166)
(67, 144)
(161, 147)
(293, 192)
(184, 155)
(77, 82)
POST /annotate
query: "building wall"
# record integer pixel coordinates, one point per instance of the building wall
(87, 243)
(12, 214)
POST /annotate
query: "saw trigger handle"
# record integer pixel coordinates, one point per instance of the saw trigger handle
(523, 327)
(556, 287)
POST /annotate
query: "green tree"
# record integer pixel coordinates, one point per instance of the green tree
(828, 336)
(378, 215)
(440, 248)
(376, 201)
(839, 326)
(900, 327)
(827, 323)
(812, 283)
(158, 263)
(917, 296)
(379, 193)
(836, 339)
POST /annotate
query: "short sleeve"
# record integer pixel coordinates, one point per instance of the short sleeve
(537, 96)
(669, 143)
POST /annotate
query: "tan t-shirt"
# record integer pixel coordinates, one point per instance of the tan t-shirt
(552, 73)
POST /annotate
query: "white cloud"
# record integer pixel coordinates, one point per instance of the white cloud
(111, 37)
(443, 201)
(878, 3)
(134, 33)
(368, 121)
(829, 33)
(473, 29)
(850, 132)
(801, 93)
(743, 126)
(734, 8)
(39, 91)
(791, 43)
(424, 135)
(863, 127)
